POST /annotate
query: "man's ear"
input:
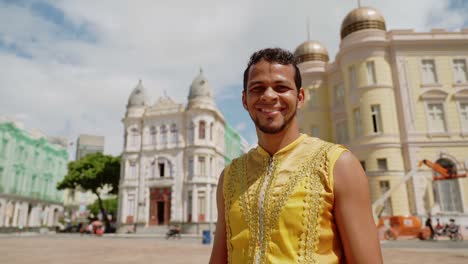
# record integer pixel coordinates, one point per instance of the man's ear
(244, 100)
(300, 98)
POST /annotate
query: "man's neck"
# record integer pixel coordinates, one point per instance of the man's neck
(272, 143)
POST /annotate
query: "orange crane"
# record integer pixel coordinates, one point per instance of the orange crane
(445, 174)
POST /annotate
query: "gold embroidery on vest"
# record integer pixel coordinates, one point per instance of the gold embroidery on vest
(315, 180)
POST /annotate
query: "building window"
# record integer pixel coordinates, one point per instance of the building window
(201, 130)
(201, 206)
(352, 78)
(459, 70)
(191, 132)
(371, 78)
(211, 131)
(131, 206)
(338, 94)
(153, 134)
(341, 132)
(429, 72)
(315, 131)
(357, 122)
(376, 119)
(436, 117)
(133, 171)
(385, 187)
(201, 167)
(164, 135)
(363, 164)
(161, 167)
(382, 164)
(174, 134)
(464, 116)
(134, 136)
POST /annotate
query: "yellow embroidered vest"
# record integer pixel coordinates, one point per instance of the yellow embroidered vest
(279, 209)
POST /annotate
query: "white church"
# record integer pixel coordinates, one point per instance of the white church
(173, 155)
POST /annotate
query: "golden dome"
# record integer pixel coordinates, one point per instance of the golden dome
(362, 18)
(311, 51)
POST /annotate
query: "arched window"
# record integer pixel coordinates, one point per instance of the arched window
(201, 130)
(174, 133)
(164, 135)
(153, 135)
(191, 132)
(164, 168)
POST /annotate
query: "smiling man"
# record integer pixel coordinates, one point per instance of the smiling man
(294, 198)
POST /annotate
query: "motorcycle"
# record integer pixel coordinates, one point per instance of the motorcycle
(173, 233)
(450, 231)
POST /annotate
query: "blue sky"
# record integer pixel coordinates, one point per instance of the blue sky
(68, 67)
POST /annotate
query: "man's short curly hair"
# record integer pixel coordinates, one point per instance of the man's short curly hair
(276, 55)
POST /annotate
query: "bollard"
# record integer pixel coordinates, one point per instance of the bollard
(206, 238)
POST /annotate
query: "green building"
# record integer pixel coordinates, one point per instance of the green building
(31, 164)
(235, 145)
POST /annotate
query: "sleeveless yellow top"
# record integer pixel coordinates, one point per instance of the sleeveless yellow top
(279, 209)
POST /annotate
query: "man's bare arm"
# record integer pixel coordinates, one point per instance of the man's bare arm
(353, 213)
(219, 251)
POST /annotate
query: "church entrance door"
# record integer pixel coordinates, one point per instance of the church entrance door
(160, 206)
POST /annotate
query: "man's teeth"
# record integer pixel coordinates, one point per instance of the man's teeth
(269, 110)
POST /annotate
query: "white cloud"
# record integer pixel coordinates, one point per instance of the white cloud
(71, 86)
(241, 126)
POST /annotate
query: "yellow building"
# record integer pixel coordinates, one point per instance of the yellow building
(394, 98)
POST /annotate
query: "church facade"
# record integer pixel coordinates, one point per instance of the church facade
(394, 98)
(173, 156)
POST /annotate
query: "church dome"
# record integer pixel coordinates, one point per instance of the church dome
(311, 51)
(200, 87)
(362, 18)
(138, 97)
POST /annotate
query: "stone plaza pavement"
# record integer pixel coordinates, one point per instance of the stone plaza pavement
(73, 249)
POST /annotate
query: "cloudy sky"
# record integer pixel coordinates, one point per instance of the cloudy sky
(68, 67)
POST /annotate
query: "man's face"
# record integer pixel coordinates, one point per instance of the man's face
(271, 96)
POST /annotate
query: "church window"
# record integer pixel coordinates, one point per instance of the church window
(161, 167)
(164, 135)
(131, 205)
(201, 167)
(132, 171)
(436, 117)
(371, 77)
(201, 130)
(464, 116)
(134, 136)
(429, 74)
(459, 70)
(153, 135)
(174, 133)
(376, 119)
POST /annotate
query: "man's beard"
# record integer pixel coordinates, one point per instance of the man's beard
(274, 130)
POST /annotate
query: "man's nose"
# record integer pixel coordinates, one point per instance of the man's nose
(269, 94)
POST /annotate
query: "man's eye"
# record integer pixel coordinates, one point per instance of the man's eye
(282, 88)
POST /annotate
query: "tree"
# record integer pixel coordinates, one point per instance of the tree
(110, 205)
(94, 172)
